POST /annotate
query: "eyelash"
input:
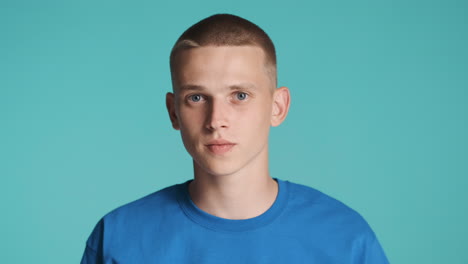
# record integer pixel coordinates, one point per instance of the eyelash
(202, 97)
(246, 95)
(190, 97)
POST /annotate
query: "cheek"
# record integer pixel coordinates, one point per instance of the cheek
(254, 123)
(189, 122)
(261, 115)
(190, 118)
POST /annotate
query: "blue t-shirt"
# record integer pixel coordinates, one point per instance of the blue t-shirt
(302, 226)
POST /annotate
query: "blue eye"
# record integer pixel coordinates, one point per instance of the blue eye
(195, 98)
(241, 96)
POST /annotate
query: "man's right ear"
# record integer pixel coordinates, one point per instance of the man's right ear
(170, 105)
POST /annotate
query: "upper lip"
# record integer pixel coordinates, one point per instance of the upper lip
(219, 142)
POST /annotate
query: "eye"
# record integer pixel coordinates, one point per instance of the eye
(195, 98)
(241, 96)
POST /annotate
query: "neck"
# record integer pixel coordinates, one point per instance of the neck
(241, 195)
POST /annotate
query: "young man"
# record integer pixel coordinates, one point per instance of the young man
(224, 102)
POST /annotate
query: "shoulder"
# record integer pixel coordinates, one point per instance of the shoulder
(153, 203)
(150, 209)
(132, 218)
(324, 210)
(333, 223)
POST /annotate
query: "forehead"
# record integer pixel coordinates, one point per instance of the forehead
(220, 65)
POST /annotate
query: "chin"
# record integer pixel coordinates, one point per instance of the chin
(221, 170)
(218, 168)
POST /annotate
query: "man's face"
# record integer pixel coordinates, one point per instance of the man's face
(223, 105)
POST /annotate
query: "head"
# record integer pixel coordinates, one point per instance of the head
(224, 98)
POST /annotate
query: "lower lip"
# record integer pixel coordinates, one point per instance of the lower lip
(220, 149)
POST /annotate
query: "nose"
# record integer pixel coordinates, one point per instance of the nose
(217, 115)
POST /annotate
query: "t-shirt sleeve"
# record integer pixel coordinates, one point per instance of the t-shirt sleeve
(90, 257)
(373, 252)
(93, 250)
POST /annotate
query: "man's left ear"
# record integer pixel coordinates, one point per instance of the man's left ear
(281, 101)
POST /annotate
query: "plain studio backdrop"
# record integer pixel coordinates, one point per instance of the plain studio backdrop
(378, 117)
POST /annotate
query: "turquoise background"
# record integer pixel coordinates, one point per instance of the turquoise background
(378, 116)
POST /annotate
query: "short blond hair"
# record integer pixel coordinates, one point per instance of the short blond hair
(226, 30)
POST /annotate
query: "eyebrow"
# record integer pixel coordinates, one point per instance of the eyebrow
(243, 86)
(240, 86)
(191, 87)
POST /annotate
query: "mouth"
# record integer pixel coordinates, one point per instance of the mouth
(219, 147)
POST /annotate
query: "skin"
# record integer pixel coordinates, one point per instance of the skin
(223, 94)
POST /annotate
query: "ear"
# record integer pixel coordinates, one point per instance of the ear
(281, 101)
(170, 105)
